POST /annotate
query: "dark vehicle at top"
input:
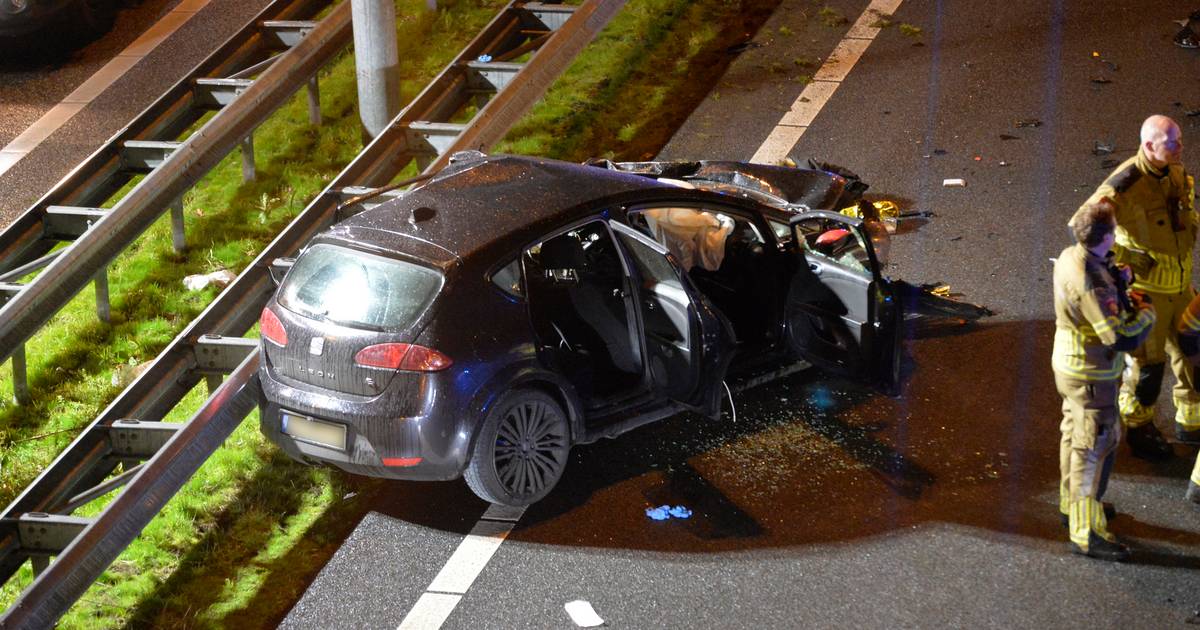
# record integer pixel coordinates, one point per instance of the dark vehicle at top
(41, 25)
(485, 322)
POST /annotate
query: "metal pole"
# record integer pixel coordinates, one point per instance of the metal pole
(376, 63)
(20, 378)
(178, 238)
(314, 101)
(248, 158)
(103, 308)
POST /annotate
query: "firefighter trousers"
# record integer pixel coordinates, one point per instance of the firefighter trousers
(1142, 381)
(1090, 431)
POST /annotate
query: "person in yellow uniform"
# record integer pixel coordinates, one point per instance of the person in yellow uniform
(1156, 230)
(1189, 342)
(1095, 323)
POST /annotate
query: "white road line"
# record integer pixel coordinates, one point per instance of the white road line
(477, 549)
(464, 566)
(825, 82)
(97, 83)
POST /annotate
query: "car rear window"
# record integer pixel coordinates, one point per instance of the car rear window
(354, 288)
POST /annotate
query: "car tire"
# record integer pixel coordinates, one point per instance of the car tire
(521, 450)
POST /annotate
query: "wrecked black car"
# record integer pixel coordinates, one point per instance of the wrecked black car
(486, 321)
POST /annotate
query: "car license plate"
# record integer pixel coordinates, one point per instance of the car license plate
(315, 431)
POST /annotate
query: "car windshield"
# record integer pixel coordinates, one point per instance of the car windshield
(358, 289)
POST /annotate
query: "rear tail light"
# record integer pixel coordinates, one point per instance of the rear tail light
(271, 328)
(402, 356)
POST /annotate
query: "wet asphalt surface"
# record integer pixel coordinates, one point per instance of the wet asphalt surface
(826, 505)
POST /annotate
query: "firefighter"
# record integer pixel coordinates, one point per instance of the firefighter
(1156, 229)
(1095, 324)
(1189, 343)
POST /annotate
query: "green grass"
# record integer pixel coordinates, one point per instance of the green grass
(831, 17)
(241, 541)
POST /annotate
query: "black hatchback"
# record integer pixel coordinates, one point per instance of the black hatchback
(509, 308)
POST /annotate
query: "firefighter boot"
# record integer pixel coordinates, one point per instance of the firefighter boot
(1102, 549)
(1147, 443)
(1187, 436)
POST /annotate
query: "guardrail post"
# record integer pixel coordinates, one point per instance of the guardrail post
(248, 159)
(39, 561)
(178, 238)
(20, 378)
(314, 101)
(214, 381)
(103, 308)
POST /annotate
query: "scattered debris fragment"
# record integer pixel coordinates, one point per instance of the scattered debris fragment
(954, 182)
(582, 613)
(939, 152)
(1029, 122)
(978, 158)
(742, 47)
(1101, 148)
(1101, 80)
(1192, 112)
(664, 512)
(349, 495)
(1005, 136)
(483, 58)
(1109, 163)
(196, 282)
(1195, 618)
(1186, 37)
(1003, 163)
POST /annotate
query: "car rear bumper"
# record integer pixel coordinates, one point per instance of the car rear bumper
(427, 446)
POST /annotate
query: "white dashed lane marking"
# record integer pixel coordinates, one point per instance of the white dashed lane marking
(825, 82)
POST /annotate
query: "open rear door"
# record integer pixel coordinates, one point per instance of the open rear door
(841, 315)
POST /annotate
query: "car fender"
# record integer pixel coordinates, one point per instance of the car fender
(526, 372)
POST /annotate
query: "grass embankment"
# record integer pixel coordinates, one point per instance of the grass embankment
(250, 517)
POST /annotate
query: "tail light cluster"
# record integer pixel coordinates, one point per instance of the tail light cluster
(402, 356)
(391, 356)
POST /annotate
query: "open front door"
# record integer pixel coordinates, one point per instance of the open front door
(841, 314)
(688, 344)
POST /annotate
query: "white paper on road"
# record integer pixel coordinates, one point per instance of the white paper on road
(583, 614)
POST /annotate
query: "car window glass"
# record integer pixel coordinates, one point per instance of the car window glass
(834, 241)
(662, 291)
(508, 279)
(358, 289)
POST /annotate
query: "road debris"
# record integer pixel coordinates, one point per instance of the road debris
(1101, 148)
(582, 613)
(742, 47)
(954, 182)
(198, 281)
(1101, 80)
(1029, 122)
(1005, 136)
(1109, 163)
(1186, 37)
(664, 512)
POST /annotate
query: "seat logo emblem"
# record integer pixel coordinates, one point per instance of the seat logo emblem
(316, 346)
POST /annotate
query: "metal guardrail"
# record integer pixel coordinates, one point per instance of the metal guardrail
(38, 524)
(71, 211)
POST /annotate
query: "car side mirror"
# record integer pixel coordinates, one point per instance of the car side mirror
(279, 268)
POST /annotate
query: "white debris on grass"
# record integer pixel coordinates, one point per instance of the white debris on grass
(201, 280)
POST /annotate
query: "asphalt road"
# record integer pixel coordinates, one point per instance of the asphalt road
(825, 505)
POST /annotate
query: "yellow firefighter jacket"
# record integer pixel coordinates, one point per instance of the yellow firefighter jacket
(1156, 223)
(1089, 317)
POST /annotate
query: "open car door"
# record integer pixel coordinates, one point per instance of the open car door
(841, 313)
(689, 344)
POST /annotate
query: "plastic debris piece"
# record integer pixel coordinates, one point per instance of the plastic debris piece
(1029, 122)
(199, 281)
(1186, 38)
(1003, 163)
(954, 182)
(978, 158)
(582, 613)
(1101, 148)
(939, 152)
(1095, 54)
(484, 58)
(1005, 136)
(680, 511)
(1192, 112)
(660, 513)
(1101, 80)
(1109, 164)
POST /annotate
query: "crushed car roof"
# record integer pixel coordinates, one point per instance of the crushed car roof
(474, 202)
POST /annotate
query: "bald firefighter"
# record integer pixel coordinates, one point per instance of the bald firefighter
(1095, 324)
(1189, 342)
(1156, 229)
